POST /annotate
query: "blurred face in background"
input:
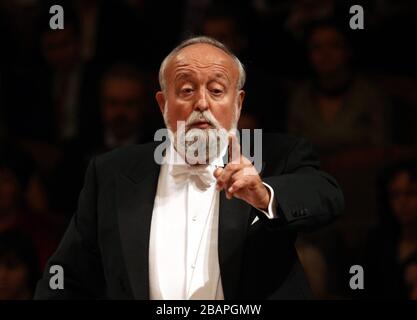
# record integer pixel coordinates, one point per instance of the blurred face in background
(122, 103)
(403, 198)
(13, 279)
(312, 9)
(60, 48)
(328, 51)
(9, 191)
(224, 29)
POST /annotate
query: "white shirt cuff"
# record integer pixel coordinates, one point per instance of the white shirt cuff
(272, 208)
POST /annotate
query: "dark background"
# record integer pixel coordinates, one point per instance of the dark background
(66, 95)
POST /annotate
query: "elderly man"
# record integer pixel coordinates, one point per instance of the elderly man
(195, 226)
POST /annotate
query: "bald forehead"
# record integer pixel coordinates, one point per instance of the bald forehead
(205, 53)
(202, 56)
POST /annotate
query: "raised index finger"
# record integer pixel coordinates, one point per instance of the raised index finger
(234, 149)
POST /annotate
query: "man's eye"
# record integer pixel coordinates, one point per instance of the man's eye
(217, 92)
(187, 90)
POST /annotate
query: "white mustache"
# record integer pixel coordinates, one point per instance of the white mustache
(198, 116)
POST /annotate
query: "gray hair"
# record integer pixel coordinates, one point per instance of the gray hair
(204, 40)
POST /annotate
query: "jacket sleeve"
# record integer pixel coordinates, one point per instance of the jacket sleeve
(78, 253)
(306, 197)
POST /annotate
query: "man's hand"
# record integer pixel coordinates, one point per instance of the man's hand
(241, 180)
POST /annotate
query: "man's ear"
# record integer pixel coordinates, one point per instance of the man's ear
(160, 98)
(240, 98)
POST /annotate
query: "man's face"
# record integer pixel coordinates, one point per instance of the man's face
(60, 48)
(201, 78)
(403, 198)
(122, 101)
(328, 51)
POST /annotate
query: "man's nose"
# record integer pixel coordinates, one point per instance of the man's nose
(202, 102)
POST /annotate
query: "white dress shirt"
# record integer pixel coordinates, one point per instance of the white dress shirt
(183, 257)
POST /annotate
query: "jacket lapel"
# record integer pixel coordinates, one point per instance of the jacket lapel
(234, 217)
(233, 222)
(136, 191)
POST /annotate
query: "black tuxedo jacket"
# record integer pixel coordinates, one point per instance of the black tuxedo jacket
(104, 252)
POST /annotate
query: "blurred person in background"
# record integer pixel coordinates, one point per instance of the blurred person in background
(68, 83)
(17, 204)
(61, 51)
(53, 111)
(337, 107)
(248, 121)
(226, 25)
(394, 240)
(57, 115)
(123, 103)
(316, 269)
(410, 276)
(109, 32)
(16, 172)
(303, 12)
(265, 89)
(284, 23)
(19, 56)
(386, 20)
(19, 266)
(60, 101)
(55, 102)
(18, 20)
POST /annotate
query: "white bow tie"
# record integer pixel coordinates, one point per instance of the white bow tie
(200, 174)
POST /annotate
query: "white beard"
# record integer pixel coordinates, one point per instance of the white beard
(199, 146)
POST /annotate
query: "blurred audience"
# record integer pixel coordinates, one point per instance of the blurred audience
(315, 266)
(409, 271)
(57, 116)
(123, 107)
(394, 240)
(263, 89)
(18, 20)
(61, 50)
(248, 121)
(17, 211)
(57, 104)
(337, 107)
(392, 19)
(19, 267)
(303, 12)
(326, 257)
(225, 25)
(109, 32)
